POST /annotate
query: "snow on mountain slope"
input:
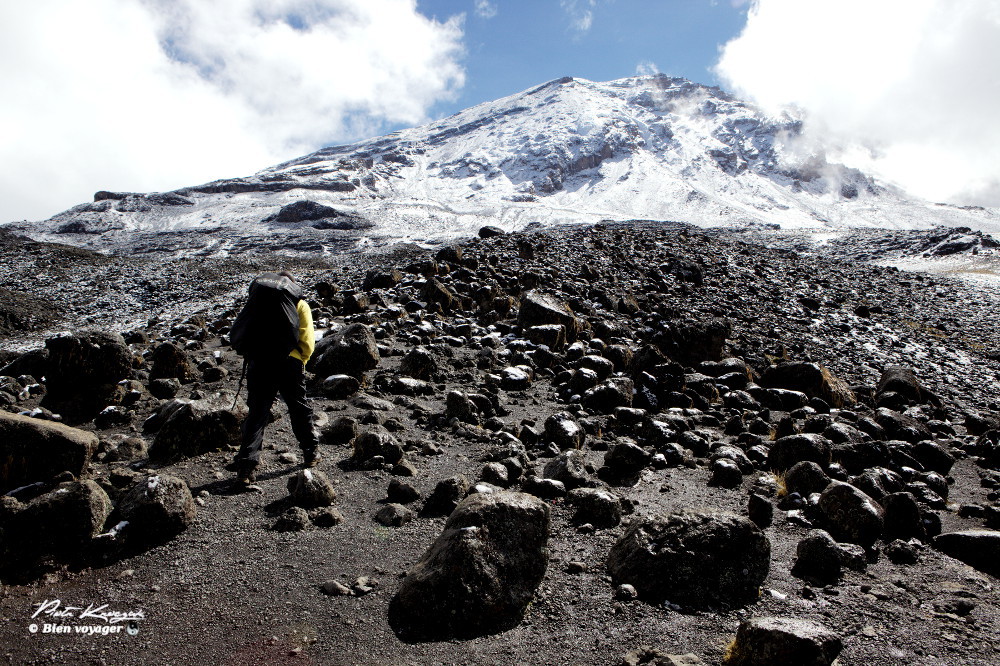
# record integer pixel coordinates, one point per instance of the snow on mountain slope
(569, 151)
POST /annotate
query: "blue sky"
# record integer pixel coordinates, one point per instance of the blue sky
(527, 42)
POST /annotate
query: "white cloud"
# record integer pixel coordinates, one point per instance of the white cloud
(905, 88)
(580, 12)
(486, 9)
(158, 94)
(647, 68)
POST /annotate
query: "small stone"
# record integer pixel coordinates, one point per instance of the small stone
(394, 515)
(336, 589)
(626, 592)
(295, 519)
(326, 516)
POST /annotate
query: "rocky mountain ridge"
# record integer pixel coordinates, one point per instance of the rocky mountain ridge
(568, 152)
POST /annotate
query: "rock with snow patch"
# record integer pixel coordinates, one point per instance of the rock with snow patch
(310, 488)
(156, 508)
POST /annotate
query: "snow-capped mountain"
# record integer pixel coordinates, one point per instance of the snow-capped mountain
(569, 151)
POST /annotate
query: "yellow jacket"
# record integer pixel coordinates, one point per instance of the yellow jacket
(307, 334)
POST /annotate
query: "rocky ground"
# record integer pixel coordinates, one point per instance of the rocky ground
(615, 374)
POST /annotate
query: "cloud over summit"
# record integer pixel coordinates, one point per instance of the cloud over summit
(905, 88)
(190, 91)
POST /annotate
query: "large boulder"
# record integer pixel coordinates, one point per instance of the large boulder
(446, 496)
(698, 560)
(32, 450)
(564, 431)
(479, 575)
(977, 548)
(851, 515)
(691, 343)
(903, 382)
(538, 309)
(87, 358)
(60, 523)
(604, 398)
(808, 378)
(763, 641)
(83, 372)
(157, 508)
(569, 467)
(350, 351)
(787, 451)
(170, 361)
(902, 427)
(186, 428)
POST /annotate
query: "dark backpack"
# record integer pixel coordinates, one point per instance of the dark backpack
(268, 325)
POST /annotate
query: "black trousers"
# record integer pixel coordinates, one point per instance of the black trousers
(265, 380)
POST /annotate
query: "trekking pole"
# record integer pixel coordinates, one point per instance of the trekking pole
(239, 386)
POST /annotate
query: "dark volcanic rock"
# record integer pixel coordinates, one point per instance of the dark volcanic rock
(787, 451)
(60, 523)
(310, 488)
(479, 575)
(32, 450)
(351, 351)
(977, 548)
(538, 309)
(692, 343)
(157, 508)
(693, 559)
(187, 428)
(850, 515)
(783, 640)
(168, 360)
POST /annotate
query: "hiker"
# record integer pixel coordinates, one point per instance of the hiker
(274, 334)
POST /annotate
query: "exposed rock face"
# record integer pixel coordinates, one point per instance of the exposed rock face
(783, 640)
(696, 560)
(351, 351)
(157, 508)
(187, 428)
(302, 211)
(32, 450)
(479, 575)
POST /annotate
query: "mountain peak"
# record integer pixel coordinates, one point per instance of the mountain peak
(567, 151)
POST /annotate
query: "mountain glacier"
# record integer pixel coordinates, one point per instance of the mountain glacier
(570, 151)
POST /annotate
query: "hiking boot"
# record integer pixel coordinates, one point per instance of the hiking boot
(311, 458)
(246, 477)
